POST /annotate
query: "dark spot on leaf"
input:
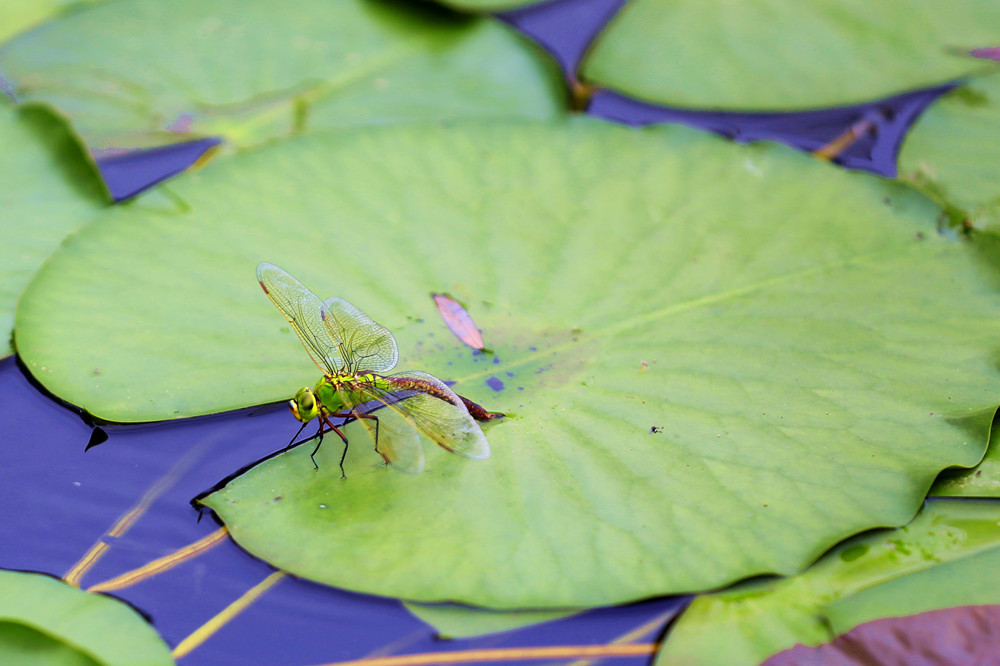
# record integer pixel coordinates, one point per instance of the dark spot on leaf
(854, 552)
(494, 384)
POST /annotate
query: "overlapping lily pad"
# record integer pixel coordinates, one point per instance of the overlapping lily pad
(48, 188)
(142, 73)
(487, 5)
(787, 55)
(952, 153)
(45, 621)
(697, 345)
(453, 621)
(21, 15)
(939, 560)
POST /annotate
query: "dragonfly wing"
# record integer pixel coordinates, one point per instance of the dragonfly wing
(367, 344)
(393, 435)
(305, 312)
(438, 413)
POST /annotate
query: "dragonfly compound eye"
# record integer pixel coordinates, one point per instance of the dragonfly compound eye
(304, 405)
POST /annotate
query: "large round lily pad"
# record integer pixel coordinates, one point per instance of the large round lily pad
(20, 15)
(787, 55)
(143, 72)
(716, 360)
(48, 188)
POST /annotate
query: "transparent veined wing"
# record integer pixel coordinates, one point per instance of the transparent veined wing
(437, 412)
(306, 313)
(397, 440)
(367, 344)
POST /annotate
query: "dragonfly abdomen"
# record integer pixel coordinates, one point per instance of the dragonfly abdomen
(396, 384)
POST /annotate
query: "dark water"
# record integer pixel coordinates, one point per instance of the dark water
(57, 499)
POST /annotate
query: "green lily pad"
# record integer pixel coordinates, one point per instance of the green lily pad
(983, 480)
(697, 344)
(787, 55)
(487, 5)
(961, 635)
(48, 188)
(952, 152)
(45, 621)
(935, 562)
(454, 621)
(948, 584)
(20, 15)
(144, 72)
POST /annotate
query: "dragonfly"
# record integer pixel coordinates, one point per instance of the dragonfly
(355, 353)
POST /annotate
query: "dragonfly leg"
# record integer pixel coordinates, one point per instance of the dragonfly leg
(299, 432)
(326, 420)
(375, 419)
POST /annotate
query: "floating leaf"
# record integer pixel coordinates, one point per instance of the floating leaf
(792, 317)
(20, 15)
(963, 635)
(487, 5)
(454, 621)
(981, 481)
(786, 55)
(48, 188)
(459, 321)
(252, 70)
(952, 152)
(45, 621)
(934, 562)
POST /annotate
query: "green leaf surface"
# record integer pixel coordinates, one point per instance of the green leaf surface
(764, 369)
(454, 621)
(952, 152)
(983, 480)
(48, 188)
(19, 15)
(786, 55)
(964, 582)
(487, 5)
(45, 621)
(143, 72)
(936, 561)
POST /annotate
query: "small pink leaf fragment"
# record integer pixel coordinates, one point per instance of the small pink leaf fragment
(992, 53)
(459, 322)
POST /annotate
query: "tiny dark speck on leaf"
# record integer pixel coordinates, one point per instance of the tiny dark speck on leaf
(920, 235)
(496, 359)
(494, 384)
(520, 388)
(978, 472)
(510, 374)
(533, 348)
(277, 498)
(655, 429)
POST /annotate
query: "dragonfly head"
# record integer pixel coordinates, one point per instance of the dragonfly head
(304, 406)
